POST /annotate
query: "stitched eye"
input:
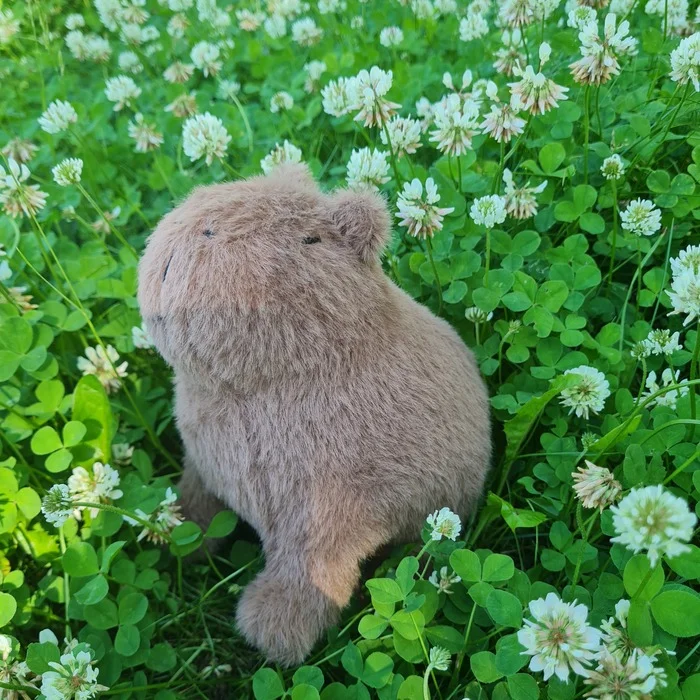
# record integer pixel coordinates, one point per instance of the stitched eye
(208, 233)
(311, 239)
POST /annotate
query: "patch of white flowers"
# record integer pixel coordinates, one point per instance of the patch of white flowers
(641, 218)
(685, 284)
(444, 523)
(121, 90)
(685, 62)
(58, 117)
(588, 393)
(367, 169)
(652, 520)
(205, 136)
(67, 172)
(286, 153)
(488, 210)
(419, 213)
(103, 363)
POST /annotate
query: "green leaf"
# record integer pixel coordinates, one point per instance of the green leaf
(222, 524)
(8, 608)
(552, 295)
(455, 292)
(28, 502)
(93, 591)
(162, 658)
(59, 461)
(127, 640)
(408, 624)
(466, 564)
(405, 573)
(91, 407)
(505, 608)
(110, 552)
(686, 565)
(551, 157)
(40, 654)
(372, 626)
(80, 559)
(45, 440)
(384, 591)
(378, 669)
(73, 433)
(411, 689)
(267, 685)
(498, 567)
(483, 665)
(352, 661)
(446, 637)
(635, 574)
(132, 607)
(639, 624)
(677, 612)
(522, 686)
(308, 675)
(509, 655)
(305, 692)
(103, 615)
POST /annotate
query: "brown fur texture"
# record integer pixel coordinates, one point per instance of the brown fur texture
(314, 397)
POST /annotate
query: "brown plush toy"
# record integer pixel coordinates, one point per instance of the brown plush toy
(313, 396)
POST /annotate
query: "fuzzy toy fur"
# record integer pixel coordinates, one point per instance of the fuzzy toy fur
(314, 397)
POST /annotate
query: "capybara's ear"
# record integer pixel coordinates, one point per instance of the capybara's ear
(363, 221)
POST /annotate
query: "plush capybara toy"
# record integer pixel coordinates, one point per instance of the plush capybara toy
(313, 396)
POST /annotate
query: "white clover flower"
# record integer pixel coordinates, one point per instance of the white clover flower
(102, 362)
(101, 223)
(100, 485)
(205, 135)
(581, 16)
(599, 61)
(122, 453)
(476, 315)
(367, 169)
(632, 679)
(5, 270)
(456, 123)
(669, 398)
(672, 12)
(684, 295)
(559, 639)
(390, 36)
(425, 110)
(473, 26)
(641, 218)
(327, 7)
(286, 153)
(595, 486)
(445, 581)
(98, 48)
(446, 7)
(228, 89)
(281, 102)
(444, 523)
(517, 13)
(9, 26)
(423, 9)
(177, 25)
(403, 135)
(19, 149)
(488, 210)
(662, 342)
(58, 117)
(183, 106)
(56, 505)
(74, 21)
(205, 57)
(502, 123)
(67, 172)
(439, 659)
(147, 137)
(335, 97)
(179, 5)
(275, 26)
(74, 677)
(305, 32)
(685, 62)
(520, 201)
(366, 93)
(178, 72)
(16, 196)
(314, 71)
(613, 168)
(418, 213)
(688, 260)
(249, 21)
(509, 56)
(652, 519)
(166, 517)
(622, 7)
(129, 62)
(121, 90)
(588, 393)
(534, 92)
(141, 338)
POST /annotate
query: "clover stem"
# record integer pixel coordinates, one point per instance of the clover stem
(429, 247)
(614, 233)
(586, 130)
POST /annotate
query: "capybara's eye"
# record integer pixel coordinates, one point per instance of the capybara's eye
(208, 233)
(311, 239)
(165, 272)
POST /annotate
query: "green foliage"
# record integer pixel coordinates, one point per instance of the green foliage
(146, 594)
